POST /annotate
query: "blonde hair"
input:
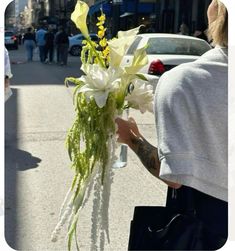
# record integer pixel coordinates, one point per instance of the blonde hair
(218, 29)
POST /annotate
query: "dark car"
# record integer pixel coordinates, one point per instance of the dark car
(11, 40)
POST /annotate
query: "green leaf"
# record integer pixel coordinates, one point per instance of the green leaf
(141, 76)
(72, 80)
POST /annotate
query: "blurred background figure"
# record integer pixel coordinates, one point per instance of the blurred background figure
(56, 44)
(62, 41)
(8, 75)
(184, 30)
(29, 42)
(20, 38)
(49, 46)
(200, 32)
(40, 39)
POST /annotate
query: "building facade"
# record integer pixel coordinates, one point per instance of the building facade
(161, 15)
(10, 16)
(157, 15)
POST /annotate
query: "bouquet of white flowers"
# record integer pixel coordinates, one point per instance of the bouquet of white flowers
(103, 93)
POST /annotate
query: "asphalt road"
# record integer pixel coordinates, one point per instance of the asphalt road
(37, 167)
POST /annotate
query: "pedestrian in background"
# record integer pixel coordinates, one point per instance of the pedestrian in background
(200, 32)
(29, 42)
(184, 30)
(62, 41)
(20, 38)
(49, 46)
(191, 114)
(8, 75)
(56, 44)
(40, 39)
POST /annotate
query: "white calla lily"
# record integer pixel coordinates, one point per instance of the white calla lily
(129, 33)
(99, 82)
(79, 17)
(118, 46)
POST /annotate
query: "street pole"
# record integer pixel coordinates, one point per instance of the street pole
(136, 21)
(116, 16)
(157, 16)
(65, 8)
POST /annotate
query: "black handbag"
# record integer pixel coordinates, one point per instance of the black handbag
(162, 228)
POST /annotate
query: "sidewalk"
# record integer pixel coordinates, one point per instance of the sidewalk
(39, 174)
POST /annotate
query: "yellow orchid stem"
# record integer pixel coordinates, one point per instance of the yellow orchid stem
(97, 55)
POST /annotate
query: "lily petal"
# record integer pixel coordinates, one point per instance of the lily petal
(79, 17)
(141, 97)
(100, 98)
(131, 32)
(119, 45)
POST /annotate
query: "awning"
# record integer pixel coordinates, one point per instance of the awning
(127, 14)
(96, 7)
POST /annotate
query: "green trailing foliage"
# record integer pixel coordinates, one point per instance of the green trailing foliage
(87, 143)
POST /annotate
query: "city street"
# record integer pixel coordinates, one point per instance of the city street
(37, 167)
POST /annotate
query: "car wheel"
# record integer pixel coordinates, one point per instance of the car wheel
(76, 50)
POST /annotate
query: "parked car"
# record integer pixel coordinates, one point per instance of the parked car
(166, 51)
(11, 40)
(75, 43)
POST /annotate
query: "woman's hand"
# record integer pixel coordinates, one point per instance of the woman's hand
(127, 131)
(7, 83)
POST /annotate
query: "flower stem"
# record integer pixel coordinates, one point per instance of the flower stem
(97, 55)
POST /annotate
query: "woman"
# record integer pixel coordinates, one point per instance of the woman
(29, 42)
(191, 120)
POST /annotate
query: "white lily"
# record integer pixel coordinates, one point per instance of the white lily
(141, 97)
(118, 46)
(99, 82)
(79, 17)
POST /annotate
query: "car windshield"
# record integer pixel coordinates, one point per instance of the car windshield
(172, 46)
(8, 34)
(81, 37)
(78, 37)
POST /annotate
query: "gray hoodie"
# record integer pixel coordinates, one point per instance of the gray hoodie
(191, 103)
